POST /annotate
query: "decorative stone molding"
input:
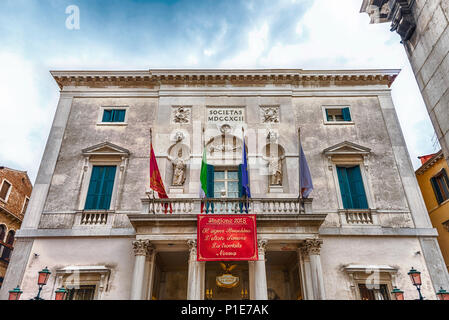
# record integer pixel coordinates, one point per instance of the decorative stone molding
(398, 12)
(181, 114)
(154, 78)
(311, 246)
(142, 247)
(269, 114)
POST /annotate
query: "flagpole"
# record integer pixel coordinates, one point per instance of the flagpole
(299, 165)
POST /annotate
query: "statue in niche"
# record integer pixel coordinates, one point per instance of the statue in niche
(179, 169)
(275, 168)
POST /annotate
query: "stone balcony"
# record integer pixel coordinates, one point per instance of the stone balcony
(227, 206)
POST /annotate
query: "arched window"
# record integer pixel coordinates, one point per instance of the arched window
(2, 232)
(7, 250)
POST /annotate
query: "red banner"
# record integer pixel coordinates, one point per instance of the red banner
(227, 237)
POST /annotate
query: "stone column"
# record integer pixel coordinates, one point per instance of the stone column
(196, 274)
(141, 248)
(313, 246)
(260, 275)
(151, 266)
(252, 288)
(305, 273)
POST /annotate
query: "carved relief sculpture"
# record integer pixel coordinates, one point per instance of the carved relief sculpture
(181, 115)
(270, 114)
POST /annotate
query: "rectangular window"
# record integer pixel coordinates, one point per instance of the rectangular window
(226, 184)
(25, 205)
(374, 292)
(4, 191)
(440, 185)
(81, 293)
(100, 189)
(338, 115)
(114, 115)
(351, 188)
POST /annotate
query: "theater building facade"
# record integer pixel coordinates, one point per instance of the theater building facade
(96, 224)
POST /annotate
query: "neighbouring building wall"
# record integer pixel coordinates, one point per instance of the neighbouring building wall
(424, 27)
(438, 212)
(13, 204)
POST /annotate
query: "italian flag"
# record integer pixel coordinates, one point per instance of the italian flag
(203, 179)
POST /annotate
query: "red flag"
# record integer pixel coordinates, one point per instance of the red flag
(156, 182)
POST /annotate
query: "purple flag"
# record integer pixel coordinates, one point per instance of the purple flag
(306, 178)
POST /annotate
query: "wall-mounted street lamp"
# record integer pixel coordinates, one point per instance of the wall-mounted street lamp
(44, 274)
(443, 294)
(397, 294)
(42, 280)
(61, 294)
(15, 294)
(415, 276)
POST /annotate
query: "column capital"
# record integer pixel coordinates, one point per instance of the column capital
(192, 246)
(311, 246)
(143, 247)
(262, 246)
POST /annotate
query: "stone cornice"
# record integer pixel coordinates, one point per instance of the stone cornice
(204, 77)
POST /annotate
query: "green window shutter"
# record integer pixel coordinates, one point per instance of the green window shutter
(107, 116)
(104, 201)
(210, 181)
(358, 194)
(344, 187)
(346, 115)
(210, 187)
(121, 115)
(445, 183)
(94, 188)
(436, 190)
(100, 188)
(327, 115)
(118, 115)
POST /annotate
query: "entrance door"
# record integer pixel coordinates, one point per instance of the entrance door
(227, 281)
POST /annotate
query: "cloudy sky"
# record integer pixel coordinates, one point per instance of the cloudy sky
(140, 34)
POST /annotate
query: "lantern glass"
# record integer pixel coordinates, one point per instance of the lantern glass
(415, 276)
(398, 294)
(60, 294)
(443, 294)
(43, 277)
(15, 294)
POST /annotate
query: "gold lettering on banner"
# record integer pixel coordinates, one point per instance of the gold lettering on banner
(227, 235)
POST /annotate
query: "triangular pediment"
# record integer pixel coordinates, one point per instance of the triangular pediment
(347, 147)
(106, 148)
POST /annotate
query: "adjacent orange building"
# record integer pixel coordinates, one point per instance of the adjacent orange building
(434, 183)
(15, 193)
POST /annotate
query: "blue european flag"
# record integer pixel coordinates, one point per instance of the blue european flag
(245, 180)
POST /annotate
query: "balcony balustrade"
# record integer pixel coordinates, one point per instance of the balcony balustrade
(227, 206)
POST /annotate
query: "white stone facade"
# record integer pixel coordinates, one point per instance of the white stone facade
(310, 250)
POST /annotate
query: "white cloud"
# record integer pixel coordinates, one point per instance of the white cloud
(25, 117)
